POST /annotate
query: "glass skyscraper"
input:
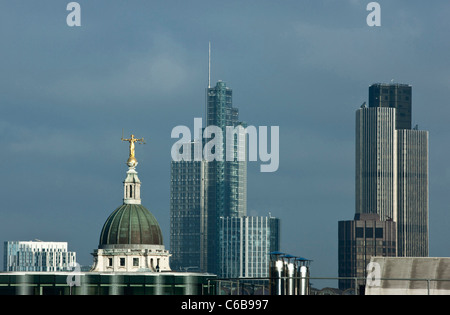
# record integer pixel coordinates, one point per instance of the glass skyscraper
(187, 214)
(207, 194)
(203, 191)
(246, 244)
(227, 179)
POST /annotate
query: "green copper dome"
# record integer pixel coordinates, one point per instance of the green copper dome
(131, 224)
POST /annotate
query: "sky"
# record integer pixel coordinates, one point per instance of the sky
(66, 94)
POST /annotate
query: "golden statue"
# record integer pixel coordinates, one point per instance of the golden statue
(132, 162)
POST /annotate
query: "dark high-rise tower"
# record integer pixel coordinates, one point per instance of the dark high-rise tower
(376, 162)
(359, 240)
(392, 166)
(398, 96)
(412, 185)
(187, 213)
(391, 176)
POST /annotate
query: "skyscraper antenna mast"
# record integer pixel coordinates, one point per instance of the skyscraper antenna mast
(209, 67)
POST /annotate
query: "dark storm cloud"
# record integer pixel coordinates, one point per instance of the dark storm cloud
(67, 93)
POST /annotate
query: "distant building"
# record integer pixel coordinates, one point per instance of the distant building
(359, 240)
(226, 180)
(412, 213)
(187, 214)
(246, 244)
(392, 166)
(376, 162)
(37, 256)
(209, 227)
(204, 190)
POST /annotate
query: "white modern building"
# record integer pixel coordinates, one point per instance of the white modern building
(37, 256)
(245, 245)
